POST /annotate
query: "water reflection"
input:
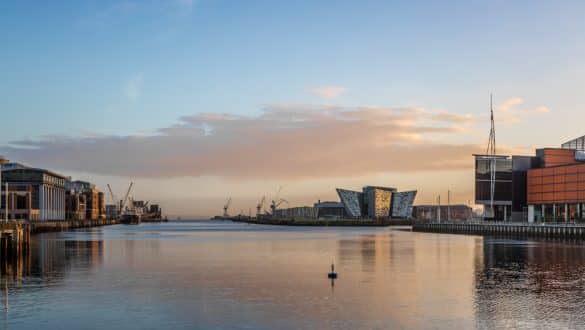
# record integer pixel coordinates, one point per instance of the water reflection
(540, 283)
(217, 275)
(51, 257)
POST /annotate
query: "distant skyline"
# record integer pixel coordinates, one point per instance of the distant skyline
(197, 101)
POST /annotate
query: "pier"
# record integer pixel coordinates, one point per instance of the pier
(14, 241)
(571, 231)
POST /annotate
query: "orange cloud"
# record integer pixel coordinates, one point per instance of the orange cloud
(283, 142)
(508, 113)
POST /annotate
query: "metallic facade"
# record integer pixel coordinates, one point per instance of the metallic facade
(402, 204)
(377, 202)
(351, 202)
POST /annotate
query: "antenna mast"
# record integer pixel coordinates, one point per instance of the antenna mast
(491, 152)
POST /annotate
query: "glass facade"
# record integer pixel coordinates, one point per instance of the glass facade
(503, 180)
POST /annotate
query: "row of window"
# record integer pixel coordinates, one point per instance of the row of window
(575, 212)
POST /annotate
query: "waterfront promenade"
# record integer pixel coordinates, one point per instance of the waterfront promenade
(523, 229)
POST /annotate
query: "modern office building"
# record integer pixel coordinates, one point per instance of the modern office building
(509, 189)
(34, 189)
(546, 187)
(556, 190)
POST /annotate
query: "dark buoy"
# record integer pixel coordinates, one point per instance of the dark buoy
(333, 274)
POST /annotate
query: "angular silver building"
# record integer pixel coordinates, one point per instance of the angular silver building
(352, 201)
(377, 202)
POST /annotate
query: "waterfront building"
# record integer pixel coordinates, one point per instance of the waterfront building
(556, 190)
(377, 202)
(93, 199)
(302, 212)
(456, 212)
(76, 205)
(509, 195)
(34, 189)
(330, 209)
(372, 202)
(546, 187)
(95, 208)
(20, 203)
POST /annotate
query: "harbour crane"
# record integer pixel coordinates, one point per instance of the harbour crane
(125, 200)
(275, 204)
(277, 201)
(226, 207)
(260, 205)
(111, 194)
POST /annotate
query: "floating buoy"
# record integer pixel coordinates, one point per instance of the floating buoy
(333, 274)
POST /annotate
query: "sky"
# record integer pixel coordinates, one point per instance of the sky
(197, 101)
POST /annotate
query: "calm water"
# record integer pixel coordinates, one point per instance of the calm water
(235, 276)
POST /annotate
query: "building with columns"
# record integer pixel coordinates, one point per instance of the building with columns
(45, 191)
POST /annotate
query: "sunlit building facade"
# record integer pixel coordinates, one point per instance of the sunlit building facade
(546, 187)
(377, 202)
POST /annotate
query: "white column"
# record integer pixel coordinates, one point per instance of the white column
(49, 203)
(62, 204)
(566, 212)
(52, 202)
(530, 213)
(42, 202)
(60, 210)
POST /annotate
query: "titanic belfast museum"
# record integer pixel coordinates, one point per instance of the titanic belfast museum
(546, 187)
(377, 202)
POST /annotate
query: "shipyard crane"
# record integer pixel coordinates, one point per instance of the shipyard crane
(125, 200)
(277, 201)
(226, 207)
(260, 205)
(111, 194)
(275, 204)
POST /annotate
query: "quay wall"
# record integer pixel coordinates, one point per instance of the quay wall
(322, 222)
(571, 231)
(48, 226)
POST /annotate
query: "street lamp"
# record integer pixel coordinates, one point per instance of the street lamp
(2, 162)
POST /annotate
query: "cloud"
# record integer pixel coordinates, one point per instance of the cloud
(508, 112)
(133, 87)
(327, 92)
(283, 142)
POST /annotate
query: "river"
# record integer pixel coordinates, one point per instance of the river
(222, 275)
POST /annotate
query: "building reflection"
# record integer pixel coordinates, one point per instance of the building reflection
(529, 278)
(50, 258)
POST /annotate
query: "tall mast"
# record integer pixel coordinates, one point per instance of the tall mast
(491, 152)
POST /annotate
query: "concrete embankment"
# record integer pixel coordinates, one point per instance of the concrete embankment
(572, 231)
(325, 223)
(47, 226)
